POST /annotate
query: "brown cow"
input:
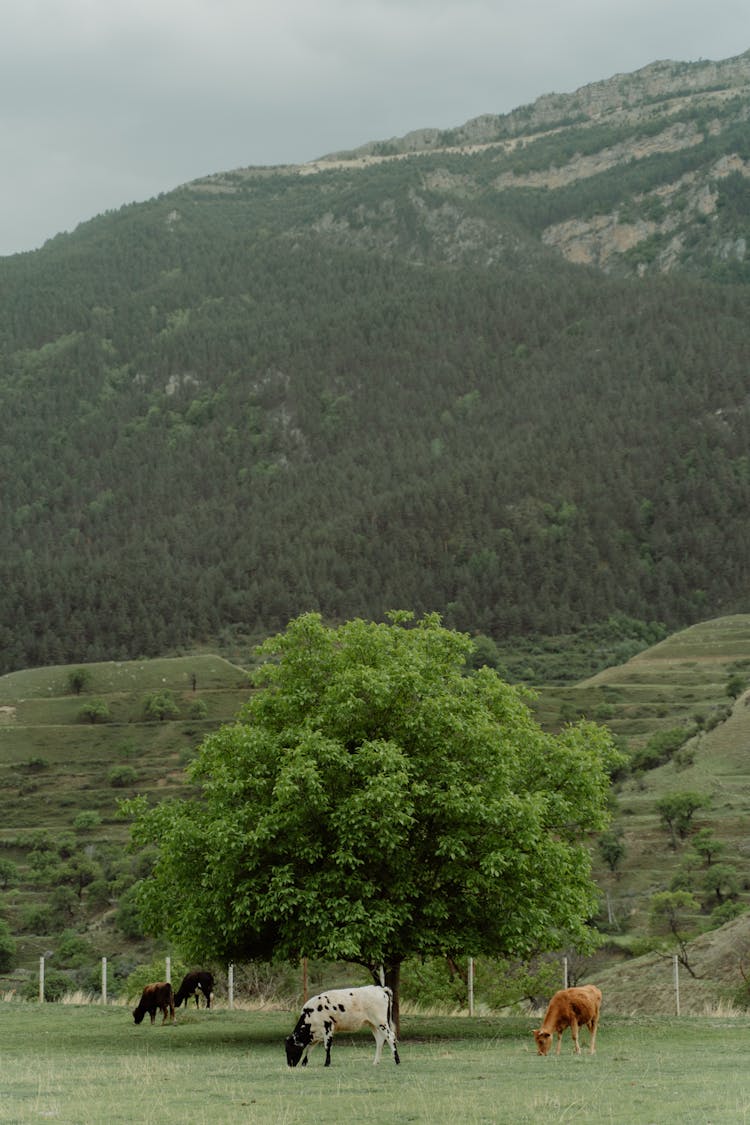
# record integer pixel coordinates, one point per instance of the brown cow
(573, 1008)
(155, 996)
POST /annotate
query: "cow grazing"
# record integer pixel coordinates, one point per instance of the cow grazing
(573, 1008)
(193, 984)
(343, 1009)
(155, 997)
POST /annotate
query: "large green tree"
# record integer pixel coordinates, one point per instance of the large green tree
(377, 800)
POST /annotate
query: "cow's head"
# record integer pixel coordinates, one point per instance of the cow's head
(293, 1050)
(138, 1014)
(543, 1041)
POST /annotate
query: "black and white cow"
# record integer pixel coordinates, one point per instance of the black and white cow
(192, 984)
(343, 1009)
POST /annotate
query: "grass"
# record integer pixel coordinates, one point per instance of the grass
(86, 1065)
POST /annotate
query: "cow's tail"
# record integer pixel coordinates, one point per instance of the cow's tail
(389, 1013)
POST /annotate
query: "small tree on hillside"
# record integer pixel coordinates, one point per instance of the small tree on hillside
(78, 679)
(612, 850)
(95, 711)
(160, 705)
(707, 846)
(673, 913)
(676, 812)
(722, 881)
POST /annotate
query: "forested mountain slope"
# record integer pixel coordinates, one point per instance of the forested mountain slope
(387, 383)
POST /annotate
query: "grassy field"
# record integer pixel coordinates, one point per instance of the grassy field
(85, 1064)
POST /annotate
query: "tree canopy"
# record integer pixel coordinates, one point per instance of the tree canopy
(375, 800)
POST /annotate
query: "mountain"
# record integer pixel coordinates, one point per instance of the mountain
(498, 371)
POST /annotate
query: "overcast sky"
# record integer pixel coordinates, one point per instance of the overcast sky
(106, 102)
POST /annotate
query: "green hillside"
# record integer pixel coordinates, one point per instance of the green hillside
(64, 861)
(695, 683)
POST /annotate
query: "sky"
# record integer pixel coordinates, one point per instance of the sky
(108, 102)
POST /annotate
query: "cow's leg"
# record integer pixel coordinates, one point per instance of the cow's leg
(592, 1028)
(328, 1040)
(379, 1033)
(152, 1013)
(574, 1033)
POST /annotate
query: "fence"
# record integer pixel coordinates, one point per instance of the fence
(231, 994)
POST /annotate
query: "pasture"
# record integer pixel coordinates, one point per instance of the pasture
(87, 1064)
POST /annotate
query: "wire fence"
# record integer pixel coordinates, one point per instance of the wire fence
(669, 995)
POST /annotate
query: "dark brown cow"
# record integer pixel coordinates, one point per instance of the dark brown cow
(192, 985)
(155, 997)
(573, 1008)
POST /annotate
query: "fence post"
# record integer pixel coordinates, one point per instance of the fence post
(104, 980)
(471, 986)
(676, 984)
(565, 972)
(230, 985)
(168, 974)
(41, 980)
(304, 981)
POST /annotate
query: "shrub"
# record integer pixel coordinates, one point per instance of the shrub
(56, 984)
(98, 894)
(160, 705)
(78, 679)
(87, 819)
(37, 920)
(7, 948)
(128, 919)
(198, 709)
(35, 765)
(73, 951)
(660, 748)
(121, 776)
(725, 913)
(9, 874)
(96, 711)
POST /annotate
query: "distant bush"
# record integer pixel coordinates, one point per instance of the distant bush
(121, 776)
(160, 705)
(198, 709)
(128, 918)
(56, 984)
(37, 920)
(73, 950)
(736, 684)
(87, 819)
(96, 711)
(727, 912)
(98, 894)
(9, 874)
(78, 679)
(7, 948)
(717, 716)
(660, 748)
